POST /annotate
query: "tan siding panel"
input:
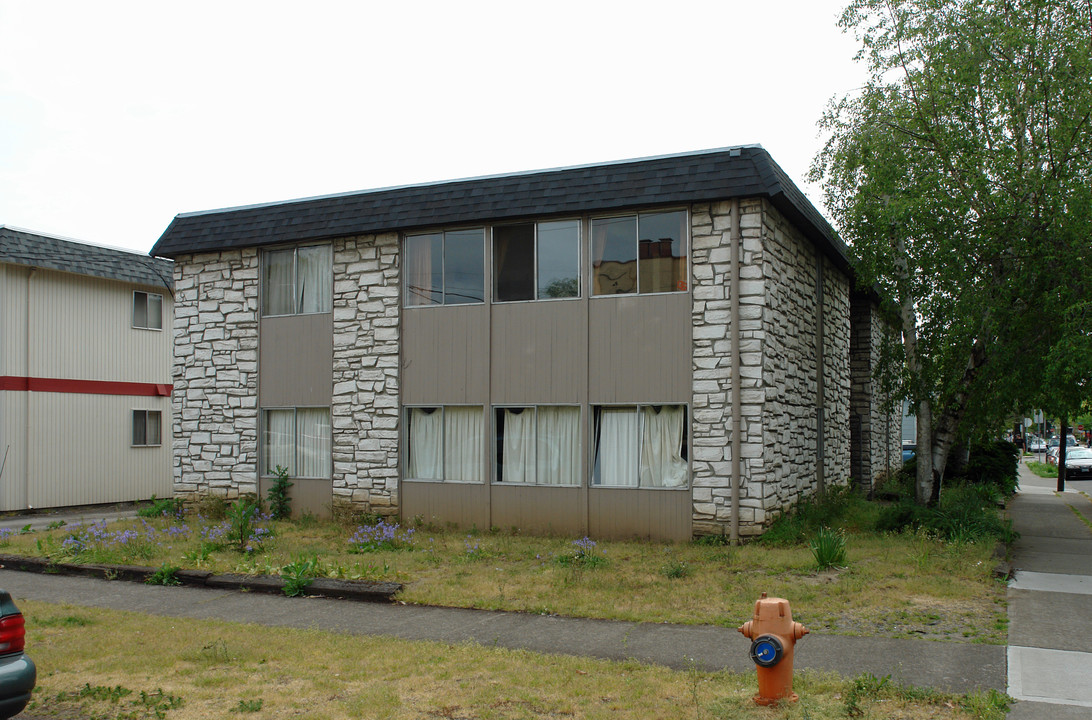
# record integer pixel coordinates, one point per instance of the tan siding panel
(445, 354)
(13, 445)
(658, 514)
(639, 349)
(81, 450)
(295, 362)
(539, 510)
(540, 352)
(13, 320)
(306, 496)
(463, 504)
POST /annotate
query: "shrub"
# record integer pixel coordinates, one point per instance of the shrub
(165, 575)
(965, 512)
(244, 532)
(280, 505)
(162, 507)
(993, 464)
(829, 548)
(838, 506)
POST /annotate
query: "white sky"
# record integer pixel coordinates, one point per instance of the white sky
(116, 116)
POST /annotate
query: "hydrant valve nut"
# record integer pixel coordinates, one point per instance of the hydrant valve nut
(767, 650)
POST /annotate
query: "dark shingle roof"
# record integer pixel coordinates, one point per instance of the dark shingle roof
(685, 178)
(21, 247)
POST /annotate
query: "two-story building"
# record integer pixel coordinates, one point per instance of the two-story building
(657, 347)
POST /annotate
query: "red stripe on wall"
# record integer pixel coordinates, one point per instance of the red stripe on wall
(86, 387)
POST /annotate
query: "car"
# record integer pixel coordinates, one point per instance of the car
(17, 671)
(1036, 444)
(1078, 464)
(908, 450)
(1052, 455)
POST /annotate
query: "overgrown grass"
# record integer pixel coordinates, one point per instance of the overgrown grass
(1043, 470)
(188, 669)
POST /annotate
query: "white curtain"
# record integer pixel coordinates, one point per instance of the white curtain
(279, 441)
(558, 446)
(464, 459)
(616, 447)
(518, 465)
(313, 442)
(426, 437)
(662, 463)
(313, 279)
(277, 283)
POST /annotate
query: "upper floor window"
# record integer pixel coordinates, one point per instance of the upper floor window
(297, 280)
(642, 253)
(536, 261)
(147, 310)
(445, 268)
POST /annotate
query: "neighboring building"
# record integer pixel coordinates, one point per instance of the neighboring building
(560, 351)
(85, 373)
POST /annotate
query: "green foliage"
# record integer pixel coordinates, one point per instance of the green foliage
(147, 704)
(160, 507)
(248, 706)
(995, 465)
(165, 575)
(299, 575)
(245, 534)
(864, 688)
(585, 554)
(829, 548)
(837, 507)
(280, 505)
(965, 513)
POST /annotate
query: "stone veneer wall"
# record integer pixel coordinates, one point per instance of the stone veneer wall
(365, 411)
(836, 379)
(215, 368)
(880, 432)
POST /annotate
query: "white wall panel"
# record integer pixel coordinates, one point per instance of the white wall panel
(13, 319)
(13, 439)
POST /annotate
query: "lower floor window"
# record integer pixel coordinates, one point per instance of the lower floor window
(147, 428)
(445, 443)
(297, 439)
(640, 446)
(538, 445)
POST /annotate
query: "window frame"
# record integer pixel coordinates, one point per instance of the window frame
(593, 446)
(144, 414)
(263, 281)
(580, 232)
(147, 295)
(266, 472)
(636, 214)
(406, 442)
(494, 449)
(443, 232)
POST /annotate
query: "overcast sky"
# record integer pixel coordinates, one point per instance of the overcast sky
(116, 116)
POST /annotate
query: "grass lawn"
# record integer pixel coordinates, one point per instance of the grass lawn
(894, 585)
(107, 664)
(1043, 470)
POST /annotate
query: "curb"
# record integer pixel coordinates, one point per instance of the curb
(359, 590)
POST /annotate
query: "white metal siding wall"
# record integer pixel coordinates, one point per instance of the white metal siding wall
(13, 405)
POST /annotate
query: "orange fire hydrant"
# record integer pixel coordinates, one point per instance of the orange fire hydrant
(773, 635)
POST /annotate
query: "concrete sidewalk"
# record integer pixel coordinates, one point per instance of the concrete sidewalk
(1050, 600)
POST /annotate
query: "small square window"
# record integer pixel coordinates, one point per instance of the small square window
(147, 310)
(147, 428)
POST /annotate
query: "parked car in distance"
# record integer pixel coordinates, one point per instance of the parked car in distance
(1078, 463)
(1052, 455)
(1036, 444)
(17, 671)
(908, 450)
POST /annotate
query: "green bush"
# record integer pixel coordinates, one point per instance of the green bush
(829, 548)
(837, 507)
(965, 512)
(993, 464)
(280, 504)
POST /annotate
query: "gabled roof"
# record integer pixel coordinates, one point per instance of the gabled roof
(22, 247)
(702, 176)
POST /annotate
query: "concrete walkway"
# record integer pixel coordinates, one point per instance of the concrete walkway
(1050, 600)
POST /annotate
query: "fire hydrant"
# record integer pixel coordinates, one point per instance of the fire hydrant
(773, 635)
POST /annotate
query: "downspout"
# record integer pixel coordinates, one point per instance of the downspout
(820, 369)
(735, 240)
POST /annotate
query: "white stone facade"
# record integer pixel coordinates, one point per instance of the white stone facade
(215, 401)
(365, 409)
(875, 430)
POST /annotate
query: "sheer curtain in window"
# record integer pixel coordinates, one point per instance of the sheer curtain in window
(464, 459)
(426, 437)
(313, 442)
(518, 448)
(277, 282)
(616, 447)
(313, 279)
(662, 462)
(558, 446)
(278, 440)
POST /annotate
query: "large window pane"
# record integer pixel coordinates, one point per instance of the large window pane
(558, 452)
(662, 252)
(277, 273)
(663, 446)
(425, 442)
(425, 269)
(155, 311)
(614, 255)
(513, 262)
(515, 445)
(313, 451)
(464, 438)
(278, 441)
(559, 259)
(616, 442)
(464, 267)
(313, 279)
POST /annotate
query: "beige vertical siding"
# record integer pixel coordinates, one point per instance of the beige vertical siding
(465, 504)
(294, 361)
(311, 496)
(13, 447)
(540, 510)
(540, 353)
(13, 319)
(639, 349)
(653, 514)
(445, 355)
(82, 454)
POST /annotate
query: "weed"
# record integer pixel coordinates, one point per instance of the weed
(199, 556)
(213, 507)
(829, 548)
(280, 505)
(248, 706)
(56, 524)
(584, 555)
(163, 507)
(989, 705)
(299, 575)
(165, 575)
(381, 535)
(244, 533)
(864, 688)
